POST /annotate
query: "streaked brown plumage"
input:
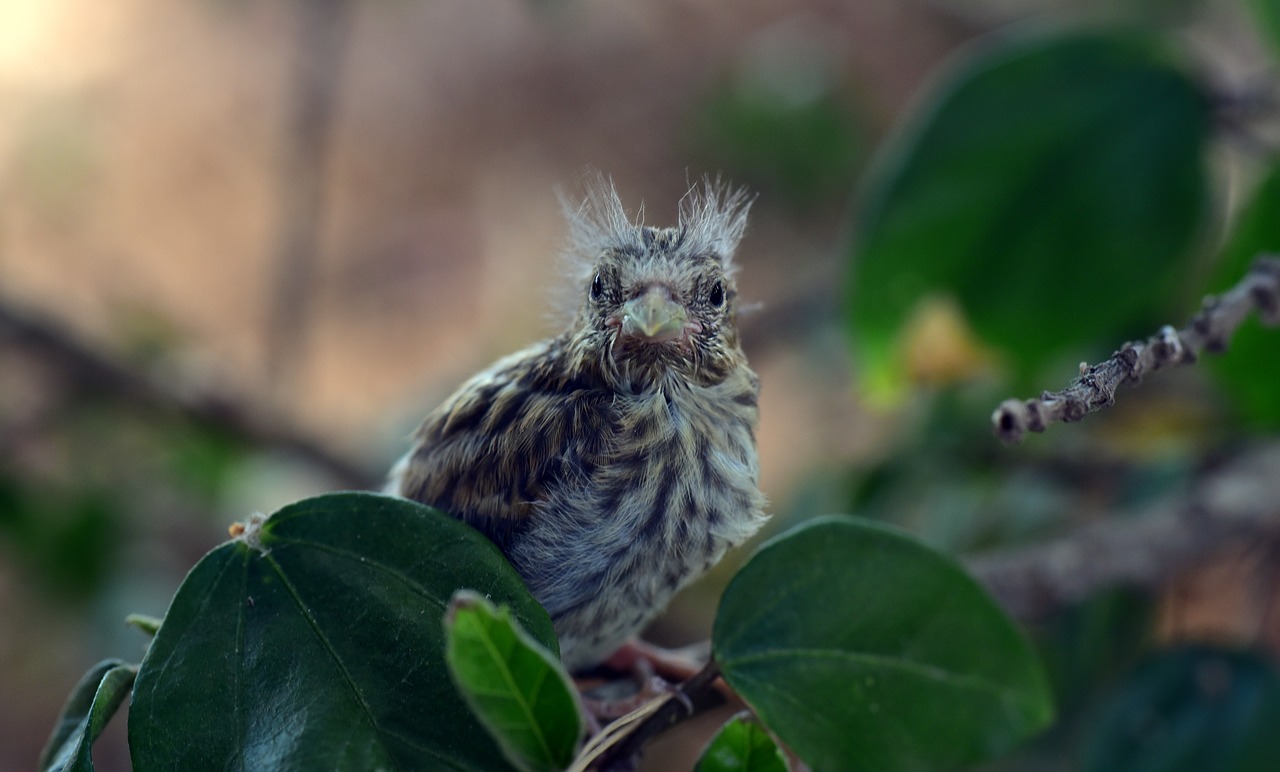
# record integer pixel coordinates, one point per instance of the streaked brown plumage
(616, 462)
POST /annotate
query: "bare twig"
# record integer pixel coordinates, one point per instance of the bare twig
(323, 29)
(618, 745)
(1209, 330)
(1245, 113)
(95, 372)
(1241, 501)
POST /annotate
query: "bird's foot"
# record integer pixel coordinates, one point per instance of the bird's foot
(653, 672)
(645, 659)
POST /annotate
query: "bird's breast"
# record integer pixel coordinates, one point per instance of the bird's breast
(677, 488)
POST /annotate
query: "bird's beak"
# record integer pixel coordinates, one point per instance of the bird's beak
(654, 316)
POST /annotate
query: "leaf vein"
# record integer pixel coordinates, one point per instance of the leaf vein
(920, 669)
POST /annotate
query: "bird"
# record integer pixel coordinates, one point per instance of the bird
(613, 463)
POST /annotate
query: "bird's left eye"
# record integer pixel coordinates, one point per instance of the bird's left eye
(597, 287)
(716, 297)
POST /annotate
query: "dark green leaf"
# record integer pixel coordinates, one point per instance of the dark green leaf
(1053, 185)
(1192, 710)
(742, 745)
(91, 705)
(316, 640)
(514, 685)
(863, 649)
(1250, 369)
(1089, 643)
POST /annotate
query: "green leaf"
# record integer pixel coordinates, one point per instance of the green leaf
(861, 648)
(1053, 185)
(1251, 366)
(316, 640)
(92, 703)
(1087, 644)
(742, 745)
(513, 684)
(146, 624)
(1191, 709)
(1267, 12)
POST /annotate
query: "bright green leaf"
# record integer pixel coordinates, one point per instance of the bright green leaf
(514, 685)
(742, 745)
(1191, 710)
(861, 648)
(1250, 369)
(316, 641)
(1053, 185)
(144, 623)
(92, 703)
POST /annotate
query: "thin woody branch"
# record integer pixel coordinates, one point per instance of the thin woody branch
(1209, 330)
(618, 746)
(1239, 503)
(92, 370)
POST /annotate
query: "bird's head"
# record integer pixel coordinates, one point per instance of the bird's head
(659, 302)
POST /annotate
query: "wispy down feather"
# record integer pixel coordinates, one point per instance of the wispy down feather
(712, 220)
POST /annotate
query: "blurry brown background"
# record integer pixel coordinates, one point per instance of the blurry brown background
(328, 214)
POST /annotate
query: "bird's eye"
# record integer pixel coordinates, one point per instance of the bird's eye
(716, 297)
(597, 287)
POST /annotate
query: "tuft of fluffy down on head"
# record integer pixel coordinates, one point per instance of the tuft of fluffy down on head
(713, 216)
(712, 219)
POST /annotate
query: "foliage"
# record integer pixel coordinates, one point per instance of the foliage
(1193, 708)
(1268, 15)
(65, 538)
(1253, 368)
(91, 704)
(319, 634)
(1049, 174)
(513, 684)
(844, 624)
(1052, 190)
(742, 745)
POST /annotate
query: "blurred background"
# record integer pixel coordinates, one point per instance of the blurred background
(245, 247)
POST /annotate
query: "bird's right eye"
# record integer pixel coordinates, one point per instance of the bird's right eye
(597, 287)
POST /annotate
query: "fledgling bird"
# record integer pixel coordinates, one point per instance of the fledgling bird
(615, 462)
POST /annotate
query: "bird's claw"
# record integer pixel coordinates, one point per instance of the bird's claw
(655, 673)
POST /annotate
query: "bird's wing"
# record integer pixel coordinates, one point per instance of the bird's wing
(511, 434)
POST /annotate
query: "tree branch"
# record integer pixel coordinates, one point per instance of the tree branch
(1209, 330)
(1239, 502)
(619, 744)
(95, 372)
(321, 40)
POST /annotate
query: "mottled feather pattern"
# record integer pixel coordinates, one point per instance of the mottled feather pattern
(612, 467)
